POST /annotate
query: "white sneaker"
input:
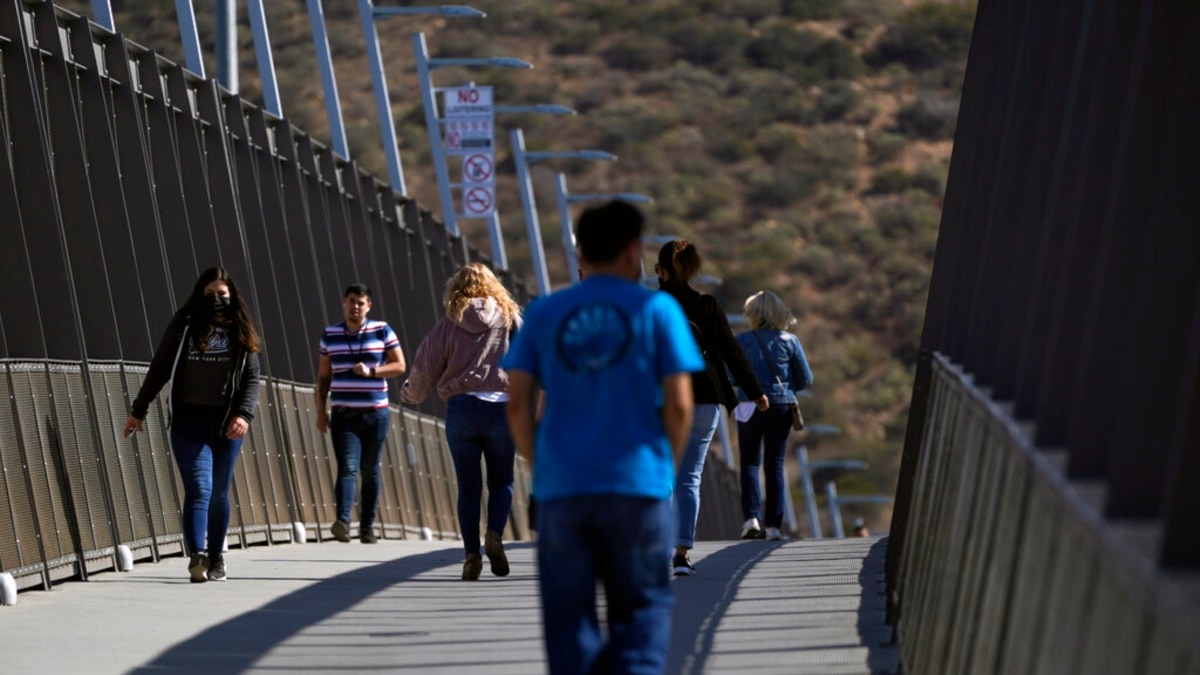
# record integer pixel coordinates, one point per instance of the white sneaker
(773, 534)
(751, 529)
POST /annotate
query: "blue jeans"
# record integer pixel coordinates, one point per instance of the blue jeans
(625, 542)
(206, 460)
(478, 429)
(687, 479)
(768, 428)
(358, 442)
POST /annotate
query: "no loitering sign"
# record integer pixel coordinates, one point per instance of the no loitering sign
(468, 132)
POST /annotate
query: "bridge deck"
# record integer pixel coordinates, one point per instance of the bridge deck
(795, 607)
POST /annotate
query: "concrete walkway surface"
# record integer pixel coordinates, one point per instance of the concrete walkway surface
(399, 606)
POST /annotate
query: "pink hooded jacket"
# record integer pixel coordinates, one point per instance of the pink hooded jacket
(461, 357)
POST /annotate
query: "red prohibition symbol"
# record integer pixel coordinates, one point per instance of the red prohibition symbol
(478, 168)
(478, 200)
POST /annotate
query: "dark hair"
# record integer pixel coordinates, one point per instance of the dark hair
(201, 321)
(357, 289)
(604, 231)
(680, 259)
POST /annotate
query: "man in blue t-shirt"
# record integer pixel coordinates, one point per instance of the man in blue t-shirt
(614, 360)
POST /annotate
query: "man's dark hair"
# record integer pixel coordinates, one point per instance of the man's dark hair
(357, 289)
(604, 231)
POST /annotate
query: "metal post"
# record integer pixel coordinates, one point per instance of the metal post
(433, 126)
(810, 497)
(226, 43)
(266, 60)
(835, 510)
(102, 14)
(499, 256)
(531, 219)
(333, 105)
(186, 15)
(383, 105)
(568, 237)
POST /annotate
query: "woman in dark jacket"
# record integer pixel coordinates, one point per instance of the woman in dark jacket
(678, 263)
(210, 355)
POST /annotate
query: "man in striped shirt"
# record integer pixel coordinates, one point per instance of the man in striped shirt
(357, 356)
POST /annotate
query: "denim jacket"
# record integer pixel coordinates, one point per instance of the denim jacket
(787, 354)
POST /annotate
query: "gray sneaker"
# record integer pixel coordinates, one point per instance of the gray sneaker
(340, 530)
(198, 568)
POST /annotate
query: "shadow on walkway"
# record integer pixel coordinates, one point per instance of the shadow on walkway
(235, 645)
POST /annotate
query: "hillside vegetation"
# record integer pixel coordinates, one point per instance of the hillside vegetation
(803, 144)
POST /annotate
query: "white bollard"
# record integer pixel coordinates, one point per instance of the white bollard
(124, 558)
(426, 534)
(299, 534)
(8, 589)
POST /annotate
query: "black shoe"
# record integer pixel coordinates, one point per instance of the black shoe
(495, 553)
(340, 530)
(683, 566)
(367, 536)
(216, 567)
(197, 567)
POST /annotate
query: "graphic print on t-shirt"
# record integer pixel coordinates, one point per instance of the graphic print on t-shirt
(593, 337)
(217, 350)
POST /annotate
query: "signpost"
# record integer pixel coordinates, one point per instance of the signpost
(468, 132)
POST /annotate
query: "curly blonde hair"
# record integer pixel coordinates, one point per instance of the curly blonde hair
(477, 281)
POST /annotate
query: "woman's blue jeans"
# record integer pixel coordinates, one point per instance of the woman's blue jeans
(206, 460)
(358, 442)
(762, 439)
(478, 429)
(691, 469)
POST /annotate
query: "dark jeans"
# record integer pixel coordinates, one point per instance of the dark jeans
(358, 442)
(769, 428)
(206, 460)
(625, 542)
(478, 429)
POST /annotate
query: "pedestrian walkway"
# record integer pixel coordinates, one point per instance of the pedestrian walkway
(399, 606)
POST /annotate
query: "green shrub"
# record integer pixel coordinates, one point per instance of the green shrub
(813, 10)
(752, 11)
(637, 53)
(779, 142)
(783, 187)
(926, 35)
(884, 146)
(579, 39)
(927, 118)
(836, 100)
(890, 180)
(834, 147)
(806, 56)
(715, 45)
(904, 220)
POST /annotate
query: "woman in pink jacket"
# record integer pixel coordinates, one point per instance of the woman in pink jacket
(460, 357)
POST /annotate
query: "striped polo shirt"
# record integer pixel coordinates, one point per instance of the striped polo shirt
(346, 348)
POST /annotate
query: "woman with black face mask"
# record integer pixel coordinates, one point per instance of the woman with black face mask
(210, 355)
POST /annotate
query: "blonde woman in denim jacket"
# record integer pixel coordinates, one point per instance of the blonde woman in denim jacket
(762, 438)
(460, 357)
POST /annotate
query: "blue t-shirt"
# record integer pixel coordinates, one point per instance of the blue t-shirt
(601, 349)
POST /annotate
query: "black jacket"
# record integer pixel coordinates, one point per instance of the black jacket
(242, 382)
(720, 349)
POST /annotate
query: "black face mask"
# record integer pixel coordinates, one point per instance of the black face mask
(220, 304)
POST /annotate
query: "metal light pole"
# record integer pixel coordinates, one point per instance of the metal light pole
(522, 159)
(226, 44)
(425, 65)
(565, 199)
(806, 468)
(266, 61)
(333, 105)
(499, 254)
(387, 125)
